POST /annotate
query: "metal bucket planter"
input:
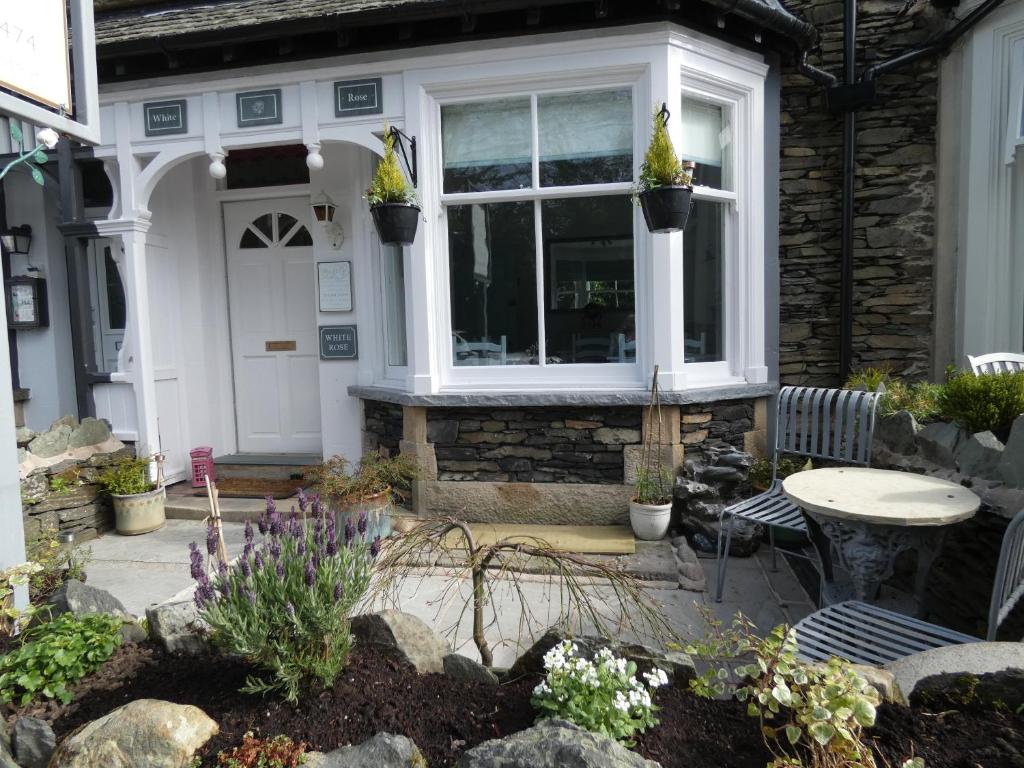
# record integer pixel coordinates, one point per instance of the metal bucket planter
(378, 510)
(396, 222)
(649, 521)
(666, 209)
(140, 512)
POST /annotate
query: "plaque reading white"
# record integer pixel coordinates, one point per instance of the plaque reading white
(34, 58)
(335, 281)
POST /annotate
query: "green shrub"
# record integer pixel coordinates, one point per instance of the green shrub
(653, 486)
(57, 654)
(869, 379)
(127, 477)
(920, 398)
(979, 403)
(760, 473)
(375, 473)
(603, 695)
(278, 752)
(284, 605)
(661, 166)
(389, 184)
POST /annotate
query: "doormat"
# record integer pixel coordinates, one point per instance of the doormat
(254, 488)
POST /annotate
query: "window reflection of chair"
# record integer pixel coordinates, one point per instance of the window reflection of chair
(625, 351)
(591, 349)
(695, 349)
(480, 352)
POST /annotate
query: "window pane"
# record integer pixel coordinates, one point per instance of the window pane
(707, 141)
(394, 304)
(300, 237)
(586, 137)
(703, 264)
(116, 309)
(487, 145)
(589, 290)
(491, 258)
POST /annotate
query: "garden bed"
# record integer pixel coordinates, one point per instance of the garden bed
(445, 717)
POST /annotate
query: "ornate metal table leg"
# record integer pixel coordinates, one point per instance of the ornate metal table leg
(928, 544)
(867, 552)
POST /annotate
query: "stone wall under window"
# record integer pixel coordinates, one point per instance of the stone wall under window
(533, 445)
(724, 422)
(382, 426)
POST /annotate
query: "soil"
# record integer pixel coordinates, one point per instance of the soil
(445, 717)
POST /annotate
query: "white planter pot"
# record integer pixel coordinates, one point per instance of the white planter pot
(650, 521)
(139, 512)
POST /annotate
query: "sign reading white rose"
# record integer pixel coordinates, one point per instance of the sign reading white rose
(34, 57)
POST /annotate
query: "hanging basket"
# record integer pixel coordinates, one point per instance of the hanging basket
(396, 222)
(666, 208)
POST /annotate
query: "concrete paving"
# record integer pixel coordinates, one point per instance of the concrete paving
(153, 568)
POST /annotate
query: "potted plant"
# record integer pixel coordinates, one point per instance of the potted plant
(138, 501)
(650, 508)
(392, 200)
(372, 489)
(666, 184)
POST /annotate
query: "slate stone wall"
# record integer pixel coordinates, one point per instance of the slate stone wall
(724, 422)
(537, 445)
(382, 426)
(895, 191)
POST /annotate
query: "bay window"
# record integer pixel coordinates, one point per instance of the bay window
(539, 222)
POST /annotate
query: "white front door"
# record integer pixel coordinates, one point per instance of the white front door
(272, 308)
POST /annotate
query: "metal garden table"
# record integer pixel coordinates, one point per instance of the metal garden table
(867, 517)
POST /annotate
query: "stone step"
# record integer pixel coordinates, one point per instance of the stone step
(265, 471)
(231, 510)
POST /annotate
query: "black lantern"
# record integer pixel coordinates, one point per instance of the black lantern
(17, 239)
(323, 209)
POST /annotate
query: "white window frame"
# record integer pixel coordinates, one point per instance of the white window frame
(540, 376)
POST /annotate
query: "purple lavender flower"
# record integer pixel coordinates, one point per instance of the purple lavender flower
(211, 540)
(250, 596)
(279, 569)
(290, 610)
(263, 524)
(375, 546)
(246, 568)
(332, 526)
(350, 531)
(338, 593)
(318, 532)
(195, 561)
(275, 548)
(276, 523)
(362, 522)
(199, 601)
(294, 526)
(271, 506)
(247, 550)
(222, 568)
(332, 547)
(316, 508)
(301, 547)
(249, 535)
(258, 561)
(223, 587)
(310, 573)
(303, 500)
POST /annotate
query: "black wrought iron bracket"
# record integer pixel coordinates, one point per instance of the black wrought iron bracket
(398, 137)
(664, 114)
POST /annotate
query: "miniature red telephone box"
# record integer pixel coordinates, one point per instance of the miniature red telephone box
(202, 466)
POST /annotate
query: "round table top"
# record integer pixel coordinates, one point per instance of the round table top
(881, 496)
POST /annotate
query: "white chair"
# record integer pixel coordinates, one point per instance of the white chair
(481, 352)
(865, 634)
(996, 362)
(833, 424)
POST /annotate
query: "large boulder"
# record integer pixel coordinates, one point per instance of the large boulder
(956, 660)
(90, 432)
(178, 627)
(553, 744)
(459, 667)
(408, 636)
(33, 742)
(979, 455)
(897, 432)
(678, 666)
(939, 442)
(51, 443)
(385, 750)
(79, 599)
(142, 734)
(1011, 466)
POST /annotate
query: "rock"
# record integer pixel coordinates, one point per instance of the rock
(968, 658)
(723, 474)
(553, 744)
(408, 635)
(64, 421)
(678, 666)
(898, 432)
(690, 572)
(459, 667)
(24, 436)
(33, 742)
(442, 431)
(617, 436)
(980, 455)
(51, 443)
(6, 761)
(385, 750)
(178, 627)
(78, 599)
(132, 632)
(1003, 690)
(691, 489)
(90, 432)
(939, 441)
(145, 733)
(5, 736)
(1011, 466)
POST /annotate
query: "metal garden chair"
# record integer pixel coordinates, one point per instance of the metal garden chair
(996, 362)
(832, 424)
(865, 634)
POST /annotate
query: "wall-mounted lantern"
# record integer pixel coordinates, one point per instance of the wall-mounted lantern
(17, 239)
(323, 211)
(26, 302)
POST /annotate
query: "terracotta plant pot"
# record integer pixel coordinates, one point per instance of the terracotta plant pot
(378, 512)
(666, 209)
(649, 521)
(396, 222)
(140, 512)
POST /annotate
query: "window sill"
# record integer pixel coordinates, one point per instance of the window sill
(561, 397)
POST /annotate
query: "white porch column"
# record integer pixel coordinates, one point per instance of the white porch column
(665, 329)
(12, 530)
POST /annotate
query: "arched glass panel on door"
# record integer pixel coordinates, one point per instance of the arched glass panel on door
(275, 229)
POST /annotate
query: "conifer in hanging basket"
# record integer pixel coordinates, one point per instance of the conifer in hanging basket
(392, 200)
(666, 183)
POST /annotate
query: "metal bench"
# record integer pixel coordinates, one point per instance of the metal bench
(996, 362)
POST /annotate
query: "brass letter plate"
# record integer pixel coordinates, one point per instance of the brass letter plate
(280, 346)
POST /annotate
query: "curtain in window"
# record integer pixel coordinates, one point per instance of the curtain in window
(585, 137)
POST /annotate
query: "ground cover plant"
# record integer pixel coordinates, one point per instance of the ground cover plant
(920, 398)
(277, 752)
(54, 564)
(284, 605)
(56, 654)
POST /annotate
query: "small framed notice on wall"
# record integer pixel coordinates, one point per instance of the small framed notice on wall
(334, 279)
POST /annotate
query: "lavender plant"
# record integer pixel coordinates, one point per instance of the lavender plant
(284, 604)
